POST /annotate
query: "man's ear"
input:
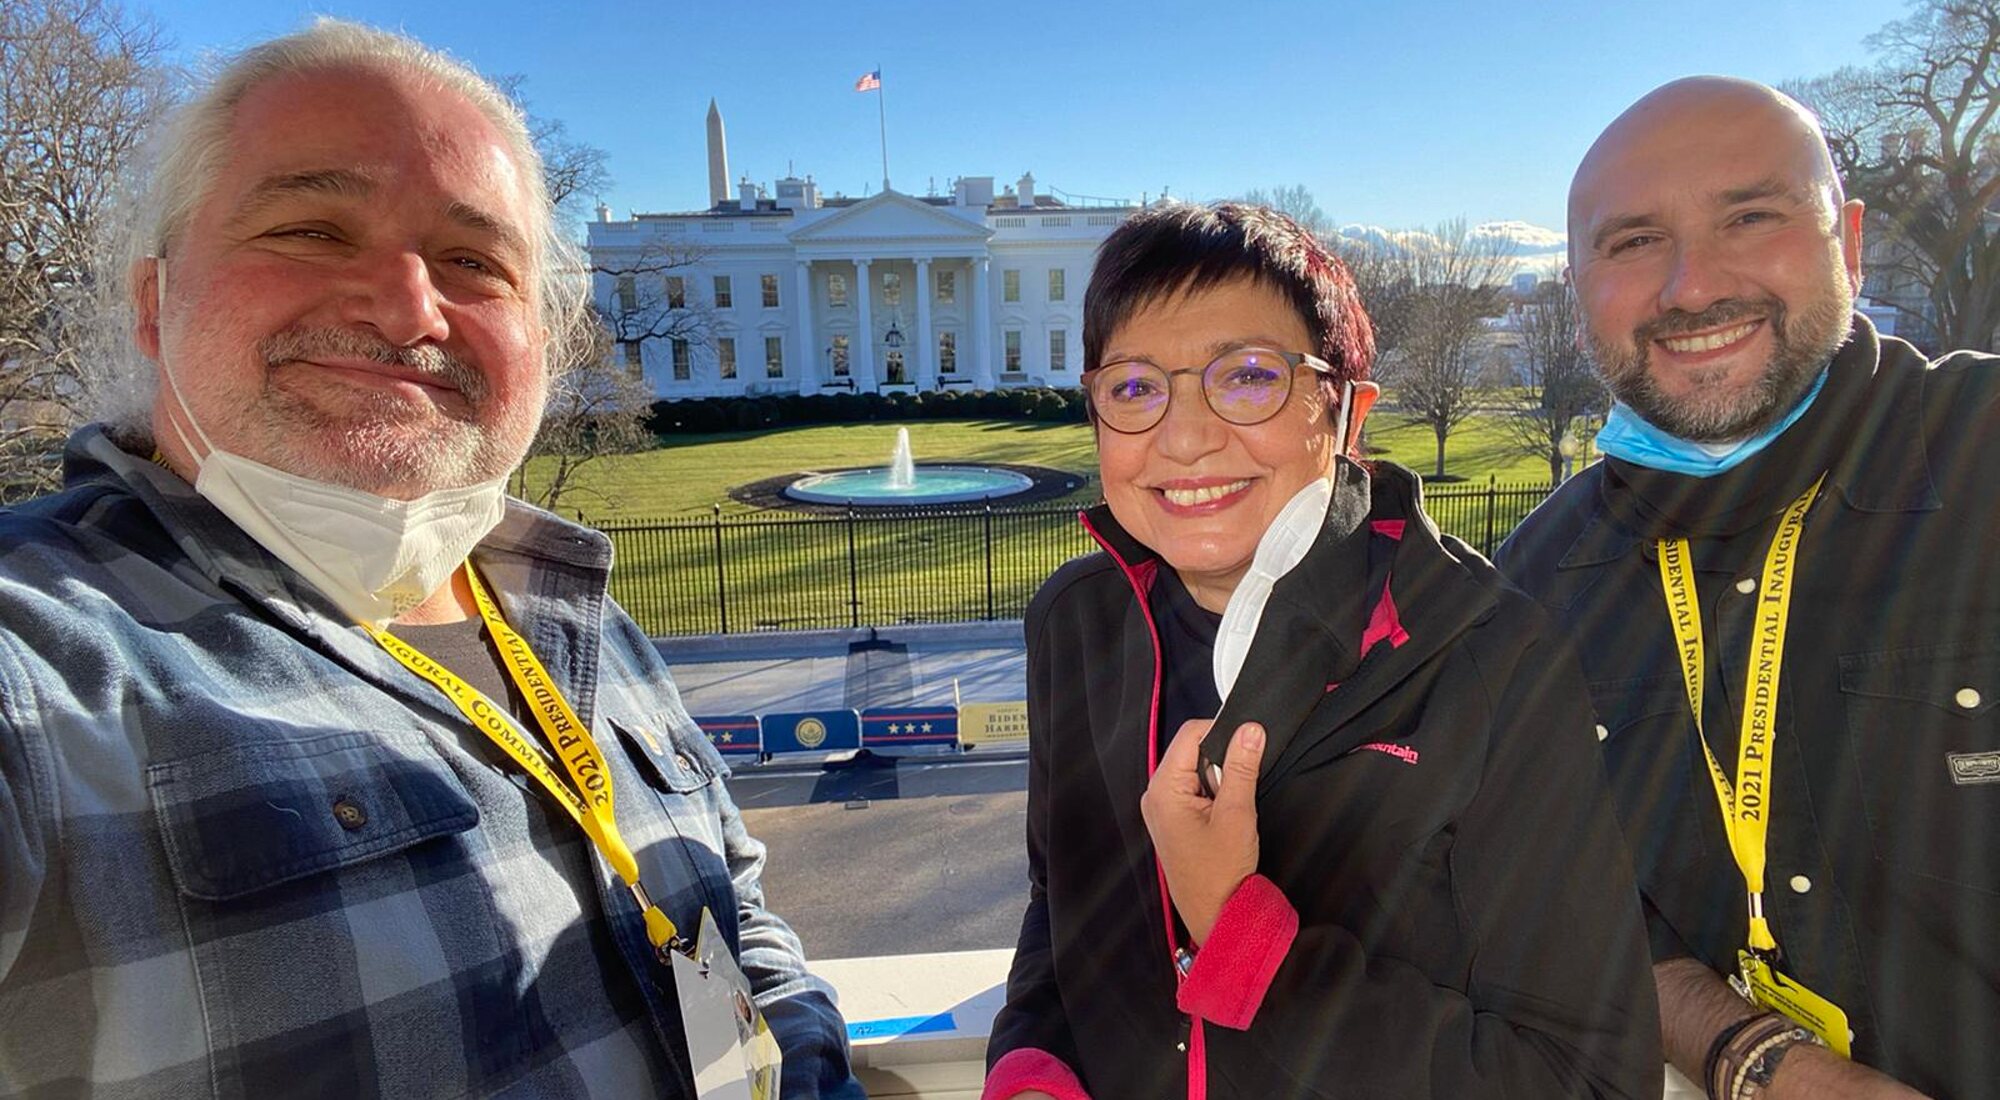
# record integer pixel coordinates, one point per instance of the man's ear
(147, 283)
(1851, 222)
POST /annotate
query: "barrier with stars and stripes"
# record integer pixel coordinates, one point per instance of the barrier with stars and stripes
(763, 736)
(733, 735)
(904, 727)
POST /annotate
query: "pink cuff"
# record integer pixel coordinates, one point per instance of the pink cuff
(1025, 1068)
(1234, 968)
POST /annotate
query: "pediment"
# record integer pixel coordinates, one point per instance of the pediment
(889, 217)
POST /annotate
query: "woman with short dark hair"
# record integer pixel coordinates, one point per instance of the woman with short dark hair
(1314, 802)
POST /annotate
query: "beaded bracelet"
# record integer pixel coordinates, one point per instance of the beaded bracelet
(1760, 1063)
(1713, 1059)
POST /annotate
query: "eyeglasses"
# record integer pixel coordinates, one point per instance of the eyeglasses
(1245, 386)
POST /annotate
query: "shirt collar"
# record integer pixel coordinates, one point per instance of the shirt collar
(1880, 402)
(526, 537)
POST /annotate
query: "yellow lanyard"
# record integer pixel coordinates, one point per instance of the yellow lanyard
(589, 800)
(1746, 803)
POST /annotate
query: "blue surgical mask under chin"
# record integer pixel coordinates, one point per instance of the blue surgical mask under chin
(1630, 437)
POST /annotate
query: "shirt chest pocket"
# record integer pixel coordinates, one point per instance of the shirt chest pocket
(260, 814)
(673, 818)
(1645, 732)
(1923, 726)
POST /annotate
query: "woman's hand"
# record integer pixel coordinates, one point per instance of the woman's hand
(1207, 847)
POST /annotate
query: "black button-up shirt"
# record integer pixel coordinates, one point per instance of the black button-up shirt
(1883, 875)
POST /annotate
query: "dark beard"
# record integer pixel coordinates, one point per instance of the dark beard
(1804, 344)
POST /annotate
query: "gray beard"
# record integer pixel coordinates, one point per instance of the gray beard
(1804, 344)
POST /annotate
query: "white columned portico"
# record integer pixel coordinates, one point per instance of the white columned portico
(808, 354)
(861, 357)
(982, 326)
(923, 364)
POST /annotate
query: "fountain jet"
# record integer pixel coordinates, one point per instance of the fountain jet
(902, 468)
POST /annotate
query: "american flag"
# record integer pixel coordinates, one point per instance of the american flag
(869, 81)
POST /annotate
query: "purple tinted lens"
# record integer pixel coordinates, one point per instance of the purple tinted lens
(1247, 386)
(1130, 395)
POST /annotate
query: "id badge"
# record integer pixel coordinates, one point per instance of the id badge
(730, 1046)
(1770, 989)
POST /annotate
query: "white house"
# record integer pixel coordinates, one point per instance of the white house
(795, 293)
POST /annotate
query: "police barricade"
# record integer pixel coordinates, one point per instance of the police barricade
(905, 727)
(993, 724)
(733, 735)
(812, 731)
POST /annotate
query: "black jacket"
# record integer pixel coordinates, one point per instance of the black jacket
(1468, 925)
(1883, 884)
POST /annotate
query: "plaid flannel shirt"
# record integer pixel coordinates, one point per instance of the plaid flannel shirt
(245, 854)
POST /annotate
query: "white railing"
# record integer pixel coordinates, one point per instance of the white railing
(920, 1022)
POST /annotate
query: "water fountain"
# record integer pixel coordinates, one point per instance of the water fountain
(902, 467)
(905, 483)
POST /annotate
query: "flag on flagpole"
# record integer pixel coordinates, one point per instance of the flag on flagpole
(869, 82)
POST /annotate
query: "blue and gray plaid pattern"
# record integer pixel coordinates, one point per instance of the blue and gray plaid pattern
(245, 854)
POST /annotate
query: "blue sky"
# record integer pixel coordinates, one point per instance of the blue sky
(1393, 114)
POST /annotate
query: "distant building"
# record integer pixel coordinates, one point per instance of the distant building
(809, 294)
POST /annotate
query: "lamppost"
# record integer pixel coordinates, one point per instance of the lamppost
(893, 340)
(1578, 441)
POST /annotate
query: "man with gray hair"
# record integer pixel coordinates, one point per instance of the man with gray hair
(326, 769)
(1780, 582)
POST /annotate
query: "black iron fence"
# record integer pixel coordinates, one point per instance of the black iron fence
(769, 571)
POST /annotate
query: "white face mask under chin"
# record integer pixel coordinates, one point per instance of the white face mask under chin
(1292, 532)
(374, 557)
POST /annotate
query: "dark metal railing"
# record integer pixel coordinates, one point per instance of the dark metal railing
(783, 571)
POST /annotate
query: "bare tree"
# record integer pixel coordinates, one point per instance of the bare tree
(1553, 383)
(79, 83)
(1916, 138)
(1435, 370)
(572, 170)
(1296, 202)
(654, 296)
(1384, 277)
(596, 408)
(600, 403)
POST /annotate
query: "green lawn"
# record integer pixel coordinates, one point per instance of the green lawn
(1479, 448)
(681, 571)
(687, 475)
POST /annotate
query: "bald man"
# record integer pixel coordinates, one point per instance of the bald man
(1779, 580)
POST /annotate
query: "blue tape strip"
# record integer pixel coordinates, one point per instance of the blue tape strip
(902, 1025)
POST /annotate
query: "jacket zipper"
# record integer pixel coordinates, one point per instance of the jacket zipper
(1190, 1041)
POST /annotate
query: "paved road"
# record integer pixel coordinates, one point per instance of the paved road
(878, 856)
(894, 857)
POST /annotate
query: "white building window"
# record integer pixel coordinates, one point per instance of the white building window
(947, 353)
(892, 288)
(1012, 339)
(724, 297)
(1010, 285)
(628, 294)
(725, 357)
(770, 290)
(1056, 285)
(837, 355)
(836, 289)
(947, 287)
(774, 356)
(634, 358)
(1058, 349)
(683, 360)
(677, 292)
